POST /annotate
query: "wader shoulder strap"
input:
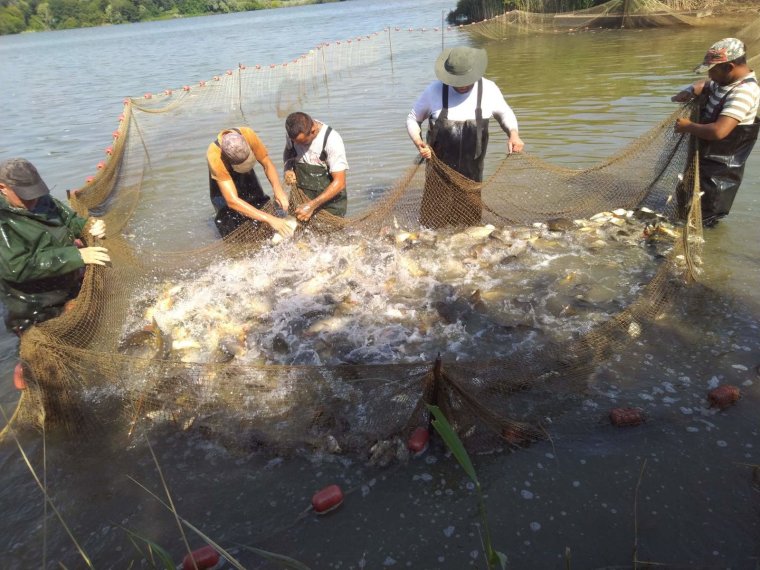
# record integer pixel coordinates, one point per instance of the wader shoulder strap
(323, 154)
(479, 120)
(444, 114)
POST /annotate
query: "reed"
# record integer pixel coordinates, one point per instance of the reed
(494, 558)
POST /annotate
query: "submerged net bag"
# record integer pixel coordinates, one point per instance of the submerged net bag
(120, 356)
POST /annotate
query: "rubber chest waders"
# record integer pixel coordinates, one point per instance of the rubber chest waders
(462, 146)
(248, 188)
(313, 179)
(721, 163)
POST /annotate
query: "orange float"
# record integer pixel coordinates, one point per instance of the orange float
(626, 417)
(18, 377)
(418, 441)
(327, 499)
(205, 558)
(724, 396)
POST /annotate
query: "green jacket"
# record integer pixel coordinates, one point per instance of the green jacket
(39, 263)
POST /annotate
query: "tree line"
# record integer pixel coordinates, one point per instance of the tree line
(476, 10)
(38, 15)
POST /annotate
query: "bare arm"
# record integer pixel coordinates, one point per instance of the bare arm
(694, 90)
(230, 195)
(715, 131)
(274, 179)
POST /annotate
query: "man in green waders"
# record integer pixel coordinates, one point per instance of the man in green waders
(41, 257)
(315, 160)
(458, 107)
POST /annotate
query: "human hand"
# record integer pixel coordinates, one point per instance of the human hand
(515, 143)
(94, 255)
(425, 151)
(304, 212)
(283, 201)
(285, 227)
(98, 229)
(682, 124)
(683, 96)
(290, 177)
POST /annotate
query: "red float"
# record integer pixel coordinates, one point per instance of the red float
(18, 377)
(205, 559)
(89, 179)
(724, 396)
(115, 134)
(109, 150)
(327, 499)
(186, 88)
(101, 165)
(418, 442)
(625, 417)
(148, 95)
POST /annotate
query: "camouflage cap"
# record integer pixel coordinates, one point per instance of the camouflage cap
(727, 49)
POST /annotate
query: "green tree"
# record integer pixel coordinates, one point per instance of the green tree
(11, 20)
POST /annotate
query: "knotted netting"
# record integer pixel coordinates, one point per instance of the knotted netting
(121, 354)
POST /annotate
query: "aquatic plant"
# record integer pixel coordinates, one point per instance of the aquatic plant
(494, 558)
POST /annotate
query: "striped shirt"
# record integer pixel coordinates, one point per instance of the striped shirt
(742, 102)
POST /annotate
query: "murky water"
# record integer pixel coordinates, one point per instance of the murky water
(678, 487)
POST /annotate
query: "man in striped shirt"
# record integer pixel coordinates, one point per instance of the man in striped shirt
(728, 125)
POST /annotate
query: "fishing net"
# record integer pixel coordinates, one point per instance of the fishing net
(612, 14)
(116, 356)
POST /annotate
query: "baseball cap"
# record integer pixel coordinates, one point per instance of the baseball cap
(727, 49)
(23, 179)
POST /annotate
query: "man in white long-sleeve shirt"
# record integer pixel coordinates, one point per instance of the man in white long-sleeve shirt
(458, 107)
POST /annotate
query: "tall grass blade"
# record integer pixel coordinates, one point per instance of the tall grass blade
(452, 441)
(163, 556)
(48, 500)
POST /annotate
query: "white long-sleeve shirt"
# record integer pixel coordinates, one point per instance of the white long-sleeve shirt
(461, 107)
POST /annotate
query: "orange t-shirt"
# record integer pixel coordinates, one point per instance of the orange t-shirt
(219, 166)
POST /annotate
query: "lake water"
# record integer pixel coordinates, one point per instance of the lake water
(579, 99)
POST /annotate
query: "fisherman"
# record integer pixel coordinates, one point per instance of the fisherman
(40, 261)
(236, 193)
(458, 107)
(728, 124)
(315, 161)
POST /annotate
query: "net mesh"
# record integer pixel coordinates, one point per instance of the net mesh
(612, 14)
(88, 368)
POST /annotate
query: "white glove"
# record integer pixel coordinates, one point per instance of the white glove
(98, 229)
(94, 255)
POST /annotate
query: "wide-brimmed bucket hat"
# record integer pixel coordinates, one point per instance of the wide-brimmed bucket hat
(461, 66)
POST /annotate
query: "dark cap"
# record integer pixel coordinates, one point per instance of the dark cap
(22, 177)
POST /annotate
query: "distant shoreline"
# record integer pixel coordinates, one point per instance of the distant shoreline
(39, 16)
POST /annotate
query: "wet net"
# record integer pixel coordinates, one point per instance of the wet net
(613, 14)
(133, 350)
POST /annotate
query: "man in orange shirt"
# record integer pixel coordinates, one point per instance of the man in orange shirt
(235, 190)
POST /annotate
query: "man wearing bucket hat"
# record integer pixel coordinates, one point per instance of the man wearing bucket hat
(458, 107)
(40, 263)
(728, 124)
(236, 193)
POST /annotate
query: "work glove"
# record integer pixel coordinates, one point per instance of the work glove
(94, 255)
(98, 229)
